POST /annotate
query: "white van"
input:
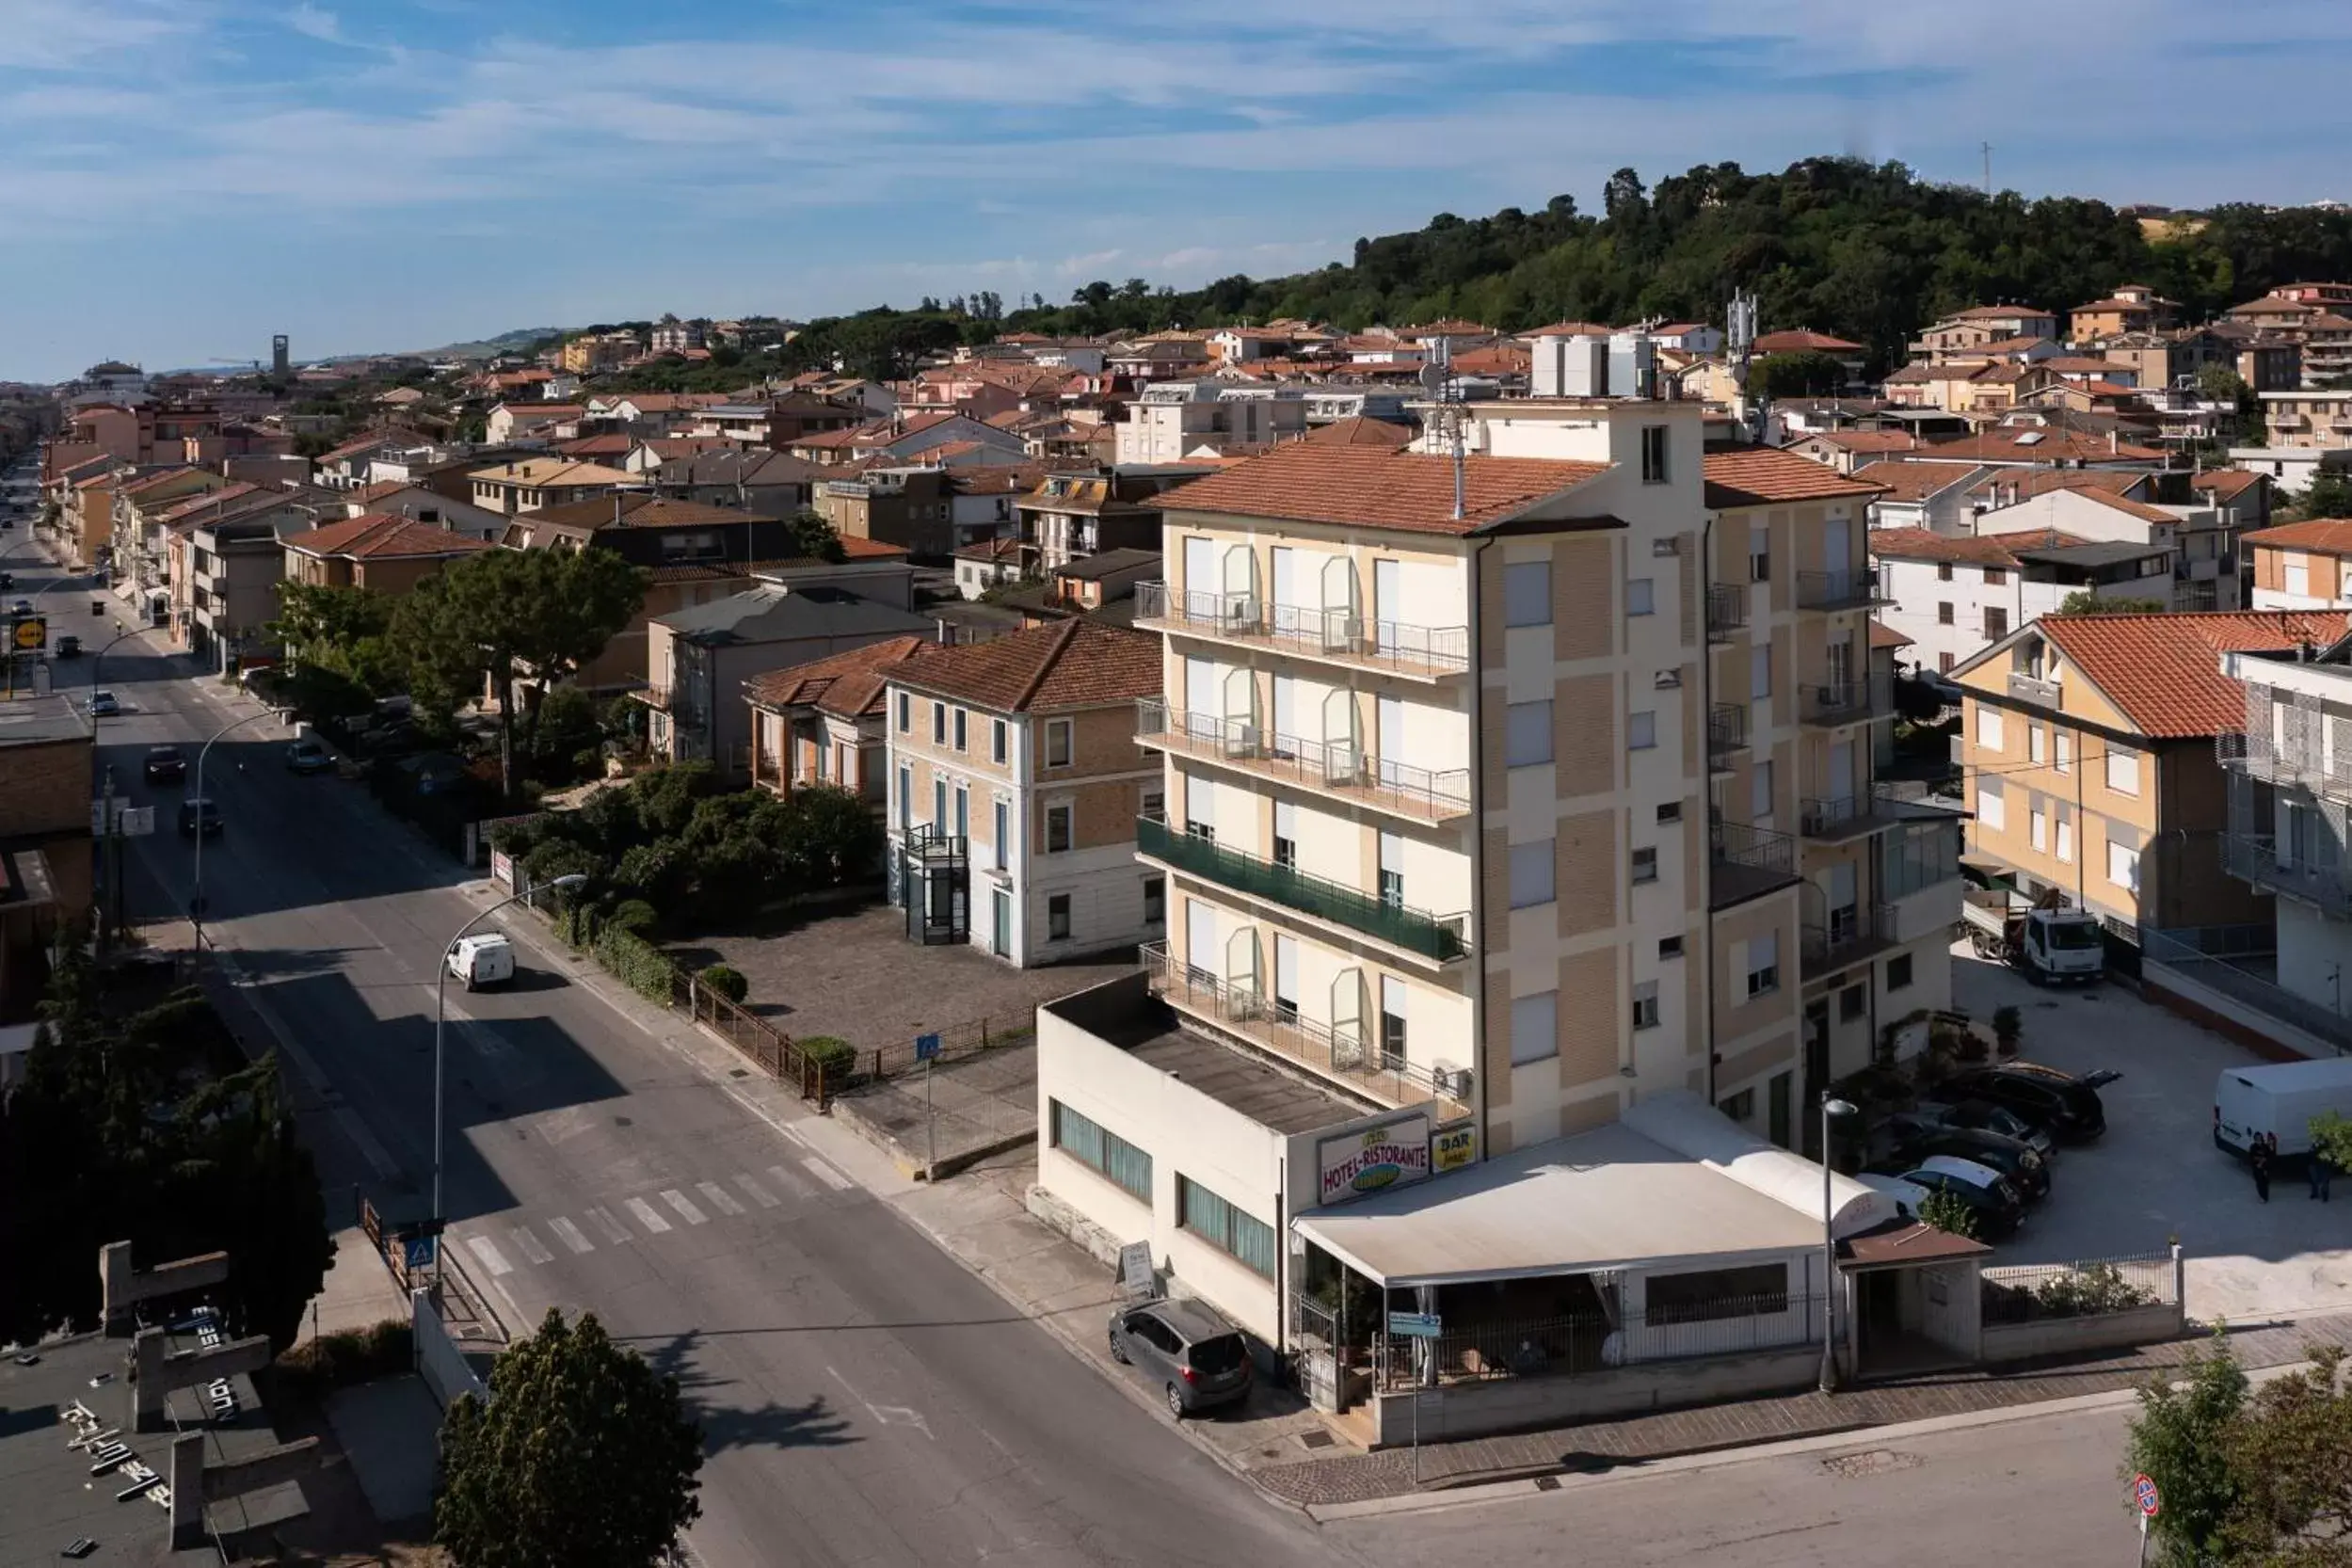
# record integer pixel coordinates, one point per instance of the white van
(487, 959)
(2280, 1101)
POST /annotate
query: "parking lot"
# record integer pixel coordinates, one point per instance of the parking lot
(2155, 1176)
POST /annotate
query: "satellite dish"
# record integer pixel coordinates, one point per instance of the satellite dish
(1431, 375)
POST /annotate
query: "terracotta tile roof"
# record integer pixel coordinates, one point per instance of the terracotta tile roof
(205, 501)
(633, 509)
(546, 472)
(2164, 671)
(850, 685)
(1368, 488)
(1801, 340)
(1912, 481)
(869, 550)
(374, 535)
(2025, 483)
(1072, 663)
(1005, 547)
(721, 571)
(1361, 431)
(1868, 441)
(2008, 444)
(2123, 503)
(2329, 536)
(612, 444)
(142, 483)
(1766, 475)
(1886, 637)
(381, 488)
(1976, 550)
(2227, 484)
(1569, 330)
(1998, 313)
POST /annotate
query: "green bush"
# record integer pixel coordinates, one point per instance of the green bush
(349, 1356)
(831, 1052)
(637, 963)
(728, 983)
(635, 916)
(1949, 1213)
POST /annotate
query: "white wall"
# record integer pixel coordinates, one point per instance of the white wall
(2314, 955)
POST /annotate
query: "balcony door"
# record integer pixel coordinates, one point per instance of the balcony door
(1285, 604)
(1388, 598)
(1841, 779)
(1201, 701)
(1286, 977)
(1388, 736)
(1837, 543)
(1200, 942)
(1838, 890)
(1202, 590)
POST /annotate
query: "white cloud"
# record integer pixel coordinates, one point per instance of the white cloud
(315, 22)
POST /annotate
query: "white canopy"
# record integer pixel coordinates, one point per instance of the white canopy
(1687, 1125)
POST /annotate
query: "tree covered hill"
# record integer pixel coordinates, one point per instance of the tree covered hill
(1867, 251)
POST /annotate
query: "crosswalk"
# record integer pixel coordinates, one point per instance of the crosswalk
(659, 1213)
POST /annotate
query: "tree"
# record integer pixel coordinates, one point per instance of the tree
(2290, 1459)
(1947, 1213)
(2328, 495)
(2180, 1439)
(1810, 374)
(584, 1457)
(814, 536)
(2085, 602)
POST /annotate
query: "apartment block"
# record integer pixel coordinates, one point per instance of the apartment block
(2302, 566)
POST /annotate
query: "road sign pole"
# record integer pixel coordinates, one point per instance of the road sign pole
(931, 1123)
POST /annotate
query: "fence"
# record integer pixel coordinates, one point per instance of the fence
(2041, 1293)
(973, 1037)
(2224, 959)
(1594, 1342)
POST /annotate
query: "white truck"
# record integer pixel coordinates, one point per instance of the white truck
(2279, 1101)
(2049, 944)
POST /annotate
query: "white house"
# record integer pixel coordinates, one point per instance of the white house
(1953, 596)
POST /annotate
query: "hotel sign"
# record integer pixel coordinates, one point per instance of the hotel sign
(1372, 1159)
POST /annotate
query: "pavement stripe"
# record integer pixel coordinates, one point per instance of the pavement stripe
(614, 1230)
(569, 1235)
(530, 1245)
(685, 1207)
(492, 1259)
(759, 1195)
(827, 1174)
(647, 1216)
(721, 1199)
(791, 1183)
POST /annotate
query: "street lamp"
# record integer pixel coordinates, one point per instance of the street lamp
(441, 990)
(1830, 1109)
(195, 904)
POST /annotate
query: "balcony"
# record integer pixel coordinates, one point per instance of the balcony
(1849, 936)
(1727, 610)
(1440, 939)
(1855, 589)
(1334, 768)
(2288, 766)
(1746, 862)
(1831, 703)
(2031, 688)
(2254, 857)
(1727, 733)
(1331, 636)
(1338, 1053)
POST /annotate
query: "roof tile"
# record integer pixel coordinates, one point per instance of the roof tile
(1071, 664)
(1370, 487)
(1767, 475)
(2164, 671)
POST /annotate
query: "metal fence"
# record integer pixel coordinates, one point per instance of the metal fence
(1591, 1342)
(2233, 961)
(755, 1037)
(957, 1042)
(2040, 1292)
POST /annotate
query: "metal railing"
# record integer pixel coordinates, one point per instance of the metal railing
(1738, 843)
(1727, 729)
(1843, 702)
(926, 843)
(2038, 1292)
(2255, 857)
(2230, 960)
(1335, 765)
(1587, 1342)
(1343, 634)
(1335, 1051)
(1443, 938)
(1852, 588)
(2261, 757)
(1832, 816)
(1727, 608)
(1848, 933)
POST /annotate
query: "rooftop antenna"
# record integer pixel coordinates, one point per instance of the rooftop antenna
(1986, 147)
(1739, 337)
(1446, 413)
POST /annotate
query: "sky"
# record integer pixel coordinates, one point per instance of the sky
(180, 179)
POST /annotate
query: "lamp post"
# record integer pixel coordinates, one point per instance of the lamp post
(196, 901)
(440, 991)
(1830, 1109)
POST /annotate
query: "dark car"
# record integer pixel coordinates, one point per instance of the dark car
(1916, 1137)
(1999, 1207)
(7, 580)
(1984, 1116)
(197, 813)
(2066, 1107)
(1199, 1360)
(309, 755)
(69, 647)
(165, 765)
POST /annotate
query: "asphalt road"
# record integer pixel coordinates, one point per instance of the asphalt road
(865, 1399)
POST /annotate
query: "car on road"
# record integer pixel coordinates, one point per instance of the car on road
(309, 755)
(165, 765)
(1914, 1138)
(103, 705)
(484, 959)
(1998, 1206)
(1200, 1361)
(21, 607)
(2066, 1107)
(7, 582)
(69, 647)
(200, 813)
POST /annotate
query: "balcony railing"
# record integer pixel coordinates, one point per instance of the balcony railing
(1443, 938)
(1336, 1052)
(1854, 588)
(1745, 862)
(1852, 933)
(1833, 702)
(1335, 766)
(1345, 636)
(2254, 857)
(1727, 608)
(2261, 757)
(1727, 732)
(2032, 688)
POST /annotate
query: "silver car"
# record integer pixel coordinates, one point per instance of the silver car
(1199, 1360)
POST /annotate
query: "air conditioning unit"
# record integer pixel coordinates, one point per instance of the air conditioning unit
(1671, 545)
(1669, 681)
(1451, 1082)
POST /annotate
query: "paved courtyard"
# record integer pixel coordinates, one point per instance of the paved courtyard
(2155, 1175)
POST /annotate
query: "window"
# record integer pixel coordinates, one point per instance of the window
(2124, 865)
(939, 804)
(1642, 597)
(1943, 571)
(1392, 869)
(1058, 742)
(1058, 829)
(1759, 553)
(1760, 671)
(1105, 1154)
(1531, 874)
(1670, 811)
(1779, 1110)
(905, 714)
(1155, 900)
(1058, 918)
(1392, 1006)
(1851, 1002)
(1740, 1107)
(1764, 964)
(1527, 734)
(996, 741)
(959, 728)
(1707, 1295)
(905, 796)
(1645, 863)
(2065, 749)
(2298, 578)
(1156, 804)
(938, 722)
(1669, 947)
(1286, 834)
(1534, 1028)
(1760, 789)
(1645, 1005)
(1992, 809)
(1898, 972)
(1654, 454)
(2034, 746)
(2038, 831)
(1003, 837)
(1996, 623)
(2122, 770)
(1224, 1227)
(1989, 729)
(2066, 841)
(1528, 593)
(1943, 663)
(1640, 732)
(1995, 576)
(1943, 613)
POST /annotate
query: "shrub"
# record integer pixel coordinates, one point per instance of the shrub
(1948, 1213)
(727, 982)
(637, 963)
(635, 916)
(832, 1054)
(348, 1356)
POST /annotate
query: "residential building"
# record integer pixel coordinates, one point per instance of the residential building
(1847, 451)
(401, 499)
(46, 810)
(592, 353)
(528, 484)
(1071, 516)
(2303, 565)
(1174, 421)
(769, 483)
(2201, 550)
(2089, 748)
(1016, 786)
(2132, 308)
(1925, 495)
(992, 563)
(1952, 595)
(538, 419)
(1853, 356)
(698, 658)
(942, 438)
(2308, 417)
(673, 336)
(1965, 331)
(380, 551)
(931, 512)
(822, 721)
(225, 573)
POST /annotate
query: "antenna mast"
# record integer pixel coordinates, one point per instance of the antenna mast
(1986, 147)
(1446, 413)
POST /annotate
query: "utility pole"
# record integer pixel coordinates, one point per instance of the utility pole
(109, 853)
(1986, 147)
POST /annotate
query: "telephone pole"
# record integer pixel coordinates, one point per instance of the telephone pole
(1986, 147)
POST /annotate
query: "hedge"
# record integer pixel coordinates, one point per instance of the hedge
(729, 983)
(831, 1052)
(637, 963)
(348, 1356)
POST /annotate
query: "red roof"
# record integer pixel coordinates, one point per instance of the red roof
(2227, 484)
(1369, 487)
(1766, 475)
(1912, 481)
(1801, 341)
(1886, 637)
(1976, 550)
(374, 535)
(1868, 441)
(850, 684)
(2164, 671)
(1071, 664)
(2327, 536)
(1361, 431)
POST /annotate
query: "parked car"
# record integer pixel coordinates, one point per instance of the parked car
(484, 959)
(103, 705)
(1998, 1206)
(2066, 1107)
(1916, 1137)
(1906, 1198)
(309, 755)
(165, 765)
(199, 813)
(1984, 1116)
(21, 607)
(1199, 1360)
(69, 646)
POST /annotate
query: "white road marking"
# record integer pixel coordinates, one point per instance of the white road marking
(614, 1230)
(647, 1216)
(568, 1234)
(791, 1183)
(530, 1245)
(486, 1250)
(721, 1199)
(790, 1134)
(888, 1415)
(827, 1174)
(759, 1195)
(685, 1207)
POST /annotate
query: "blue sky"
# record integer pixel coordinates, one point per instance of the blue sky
(181, 178)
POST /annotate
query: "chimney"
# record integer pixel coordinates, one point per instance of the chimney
(2114, 440)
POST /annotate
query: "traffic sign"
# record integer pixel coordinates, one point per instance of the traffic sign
(1415, 1325)
(31, 634)
(926, 1046)
(2144, 1497)
(418, 1252)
